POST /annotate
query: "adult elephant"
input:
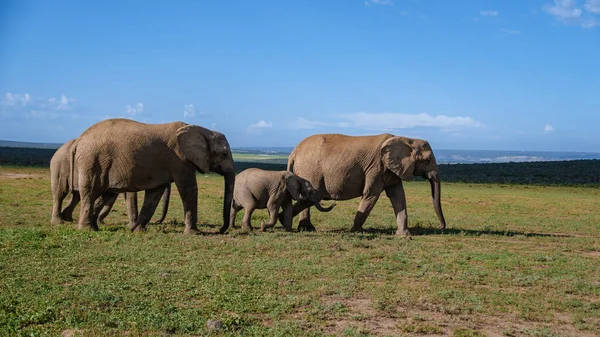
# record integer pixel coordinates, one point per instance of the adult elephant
(344, 167)
(122, 155)
(60, 182)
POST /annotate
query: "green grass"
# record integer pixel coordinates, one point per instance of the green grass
(514, 261)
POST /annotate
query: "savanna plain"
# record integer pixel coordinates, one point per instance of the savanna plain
(515, 260)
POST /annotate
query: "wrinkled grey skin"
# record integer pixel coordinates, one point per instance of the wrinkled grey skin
(121, 155)
(259, 189)
(344, 167)
(60, 169)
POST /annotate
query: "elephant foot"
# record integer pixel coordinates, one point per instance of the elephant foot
(305, 226)
(139, 229)
(264, 226)
(191, 231)
(356, 229)
(88, 227)
(131, 225)
(247, 228)
(56, 221)
(67, 217)
(403, 233)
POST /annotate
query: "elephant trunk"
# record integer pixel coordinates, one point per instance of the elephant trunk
(321, 208)
(166, 196)
(434, 181)
(227, 199)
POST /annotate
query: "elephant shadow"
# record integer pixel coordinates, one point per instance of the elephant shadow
(175, 226)
(421, 230)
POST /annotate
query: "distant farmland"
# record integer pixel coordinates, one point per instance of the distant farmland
(260, 158)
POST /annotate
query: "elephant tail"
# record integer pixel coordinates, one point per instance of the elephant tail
(290, 163)
(72, 164)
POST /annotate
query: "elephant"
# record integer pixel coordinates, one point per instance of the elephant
(343, 167)
(122, 155)
(259, 189)
(61, 185)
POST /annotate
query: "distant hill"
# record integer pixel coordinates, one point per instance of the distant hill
(279, 154)
(29, 145)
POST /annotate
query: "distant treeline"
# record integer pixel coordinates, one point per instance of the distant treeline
(573, 172)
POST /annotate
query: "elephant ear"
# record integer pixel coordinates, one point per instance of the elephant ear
(292, 184)
(193, 144)
(399, 157)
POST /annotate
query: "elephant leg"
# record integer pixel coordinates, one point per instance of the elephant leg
(58, 197)
(304, 223)
(364, 208)
(273, 208)
(398, 199)
(87, 220)
(246, 225)
(301, 207)
(131, 201)
(165, 198)
(298, 207)
(67, 213)
(287, 216)
(188, 191)
(151, 201)
(103, 209)
(235, 208)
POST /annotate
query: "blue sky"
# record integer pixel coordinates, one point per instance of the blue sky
(463, 74)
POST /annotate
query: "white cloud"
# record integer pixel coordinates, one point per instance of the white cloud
(564, 9)
(16, 99)
(593, 6)
(34, 106)
(135, 109)
(489, 13)
(259, 126)
(390, 121)
(567, 12)
(548, 128)
(64, 103)
(189, 110)
(379, 2)
(510, 31)
(213, 126)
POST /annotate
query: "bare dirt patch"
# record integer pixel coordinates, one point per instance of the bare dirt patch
(362, 314)
(592, 254)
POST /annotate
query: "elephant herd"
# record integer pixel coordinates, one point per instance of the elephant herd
(124, 156)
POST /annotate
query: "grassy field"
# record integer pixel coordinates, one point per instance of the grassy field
(515, 261)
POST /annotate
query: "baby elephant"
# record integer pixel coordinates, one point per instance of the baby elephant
(258, 189)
